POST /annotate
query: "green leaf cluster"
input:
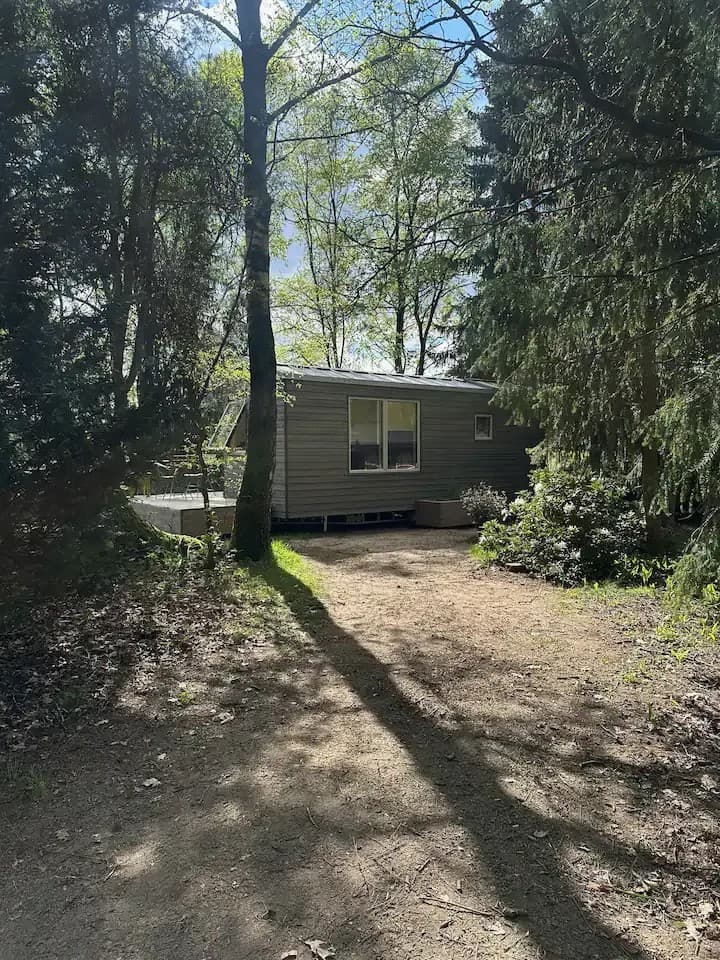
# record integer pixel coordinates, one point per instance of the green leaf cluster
(567, 528)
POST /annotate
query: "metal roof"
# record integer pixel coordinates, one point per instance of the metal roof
(361, 378)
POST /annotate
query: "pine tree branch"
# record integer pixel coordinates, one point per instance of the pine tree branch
(683, 130)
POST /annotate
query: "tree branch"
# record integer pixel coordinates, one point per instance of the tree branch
(208, 18)
(286, 107)
(681, 130)
(287, 31)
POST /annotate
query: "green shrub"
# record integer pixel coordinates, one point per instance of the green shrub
(567, 528)
(482, 503)
(697, 572)
(644, 570)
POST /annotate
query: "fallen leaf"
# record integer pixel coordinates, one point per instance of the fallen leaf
(708, 782)
(692, 931)
(706, 909)
(496, 928)
(151, 783)
(225, 717)
(320, 949)
(62, 834)
(540, 834)
(289, 955)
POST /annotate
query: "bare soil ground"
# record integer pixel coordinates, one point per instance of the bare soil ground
(432, 762)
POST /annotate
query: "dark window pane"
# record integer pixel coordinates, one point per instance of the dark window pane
(402, 429)
(365, 435)
(483, 426)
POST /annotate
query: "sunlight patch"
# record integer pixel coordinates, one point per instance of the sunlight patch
(138, 860)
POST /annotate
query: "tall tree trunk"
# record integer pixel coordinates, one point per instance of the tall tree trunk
(422, 356)
(399, 335)
(422, 332)
(118, 333)
(650, 459)
(251, 535)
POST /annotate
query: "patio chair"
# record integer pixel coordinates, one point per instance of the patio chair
(167, 474)
(192, 483)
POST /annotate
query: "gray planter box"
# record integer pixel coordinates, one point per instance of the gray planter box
(441, 513)
(185, 514)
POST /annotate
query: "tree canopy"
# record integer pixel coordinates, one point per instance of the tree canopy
(598, 298)
(529, 192)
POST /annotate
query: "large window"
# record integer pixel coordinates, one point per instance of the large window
(384, 434)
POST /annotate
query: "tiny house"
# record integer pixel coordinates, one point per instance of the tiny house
(365, 446)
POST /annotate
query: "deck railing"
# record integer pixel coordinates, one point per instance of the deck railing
(178, 474)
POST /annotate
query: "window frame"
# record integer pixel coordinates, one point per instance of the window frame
(489, 418)
(383, 401)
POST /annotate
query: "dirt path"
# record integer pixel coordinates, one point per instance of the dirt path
(447, 764)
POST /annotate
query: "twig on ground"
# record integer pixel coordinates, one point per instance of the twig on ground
(457, 907)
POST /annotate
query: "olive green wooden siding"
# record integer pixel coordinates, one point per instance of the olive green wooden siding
(313, 467)
(279, 494)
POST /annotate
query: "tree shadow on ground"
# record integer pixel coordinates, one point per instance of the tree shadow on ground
(314, 813)
(528, 878)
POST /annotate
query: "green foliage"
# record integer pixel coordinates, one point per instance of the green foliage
(569, 528)
(224, 73)
(418, 158)
(377, 171)
(185, 697)
(640, 673)
(118, 186)
(692, 608)
(597, 292)
(644, 569)
(483, 555)
(482, 502)
(319, 304)
(610, 592)
(697, 573)
(291, 565)
(679, 654)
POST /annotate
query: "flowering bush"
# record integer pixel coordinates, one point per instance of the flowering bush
(567, 528)
(482, 503)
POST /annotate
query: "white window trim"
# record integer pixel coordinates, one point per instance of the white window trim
(383, 402)
(489, 416)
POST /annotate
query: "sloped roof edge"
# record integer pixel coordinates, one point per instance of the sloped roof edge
(361, 378)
